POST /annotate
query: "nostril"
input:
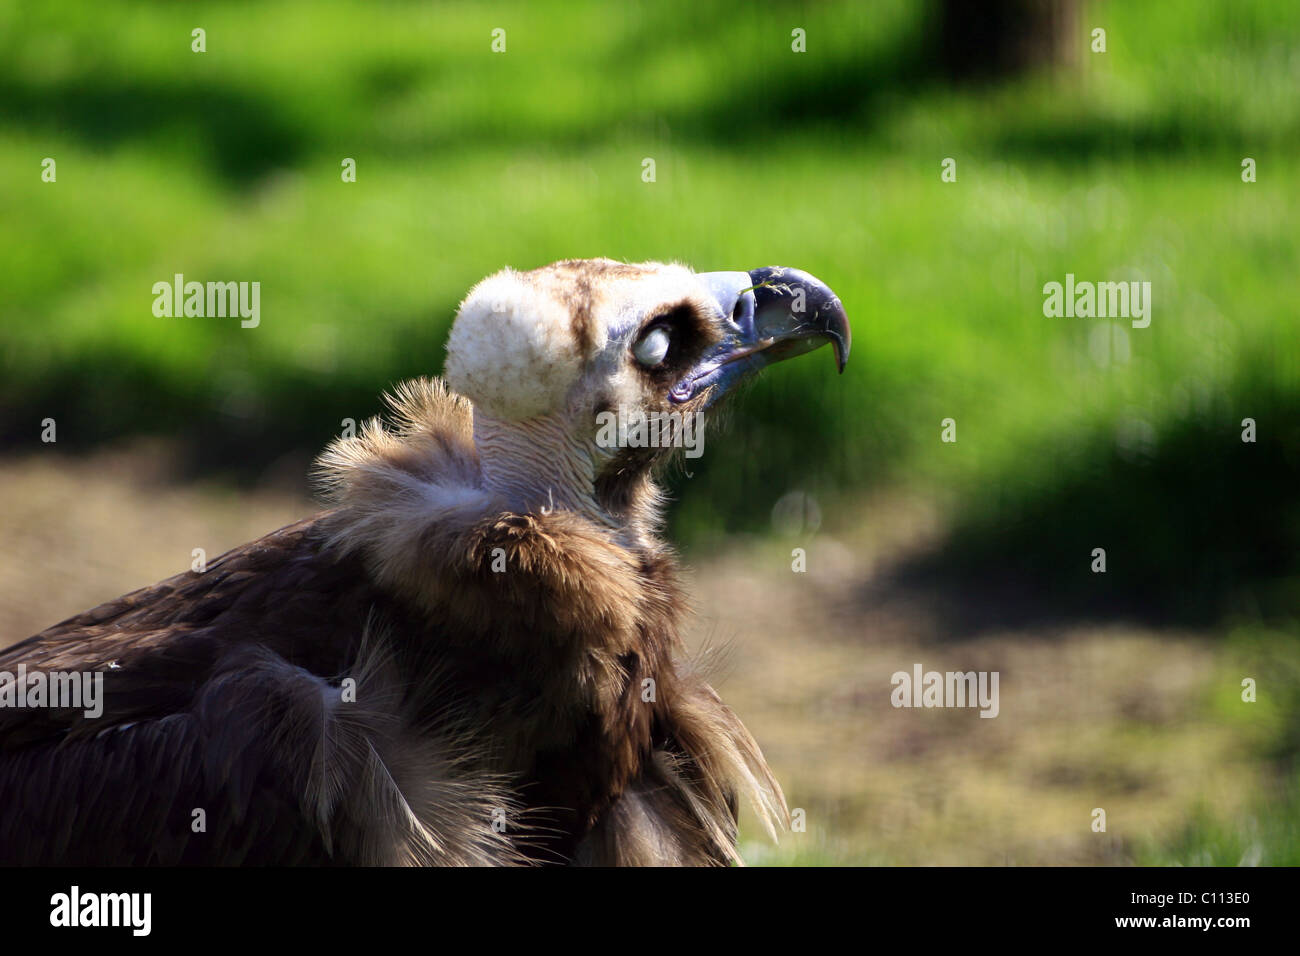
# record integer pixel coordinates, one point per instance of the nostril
(742, 314)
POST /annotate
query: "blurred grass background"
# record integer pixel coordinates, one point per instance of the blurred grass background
(1072, 433)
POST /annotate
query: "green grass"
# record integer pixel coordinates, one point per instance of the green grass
(226, 164)
(1072, 434)
(1269, 833)
(1270, 836)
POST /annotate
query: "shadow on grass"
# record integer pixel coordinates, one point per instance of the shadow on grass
(1197, 527)
(233, 429)
(240, 136)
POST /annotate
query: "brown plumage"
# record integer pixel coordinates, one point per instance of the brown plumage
(452, 665)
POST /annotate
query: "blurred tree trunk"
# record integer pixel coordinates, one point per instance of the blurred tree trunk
(993, 39)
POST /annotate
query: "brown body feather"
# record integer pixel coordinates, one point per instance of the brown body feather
(502, 712)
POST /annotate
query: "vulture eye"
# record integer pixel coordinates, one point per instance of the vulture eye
(652, 348)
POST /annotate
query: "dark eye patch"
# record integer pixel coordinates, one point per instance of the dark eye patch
(690, 333)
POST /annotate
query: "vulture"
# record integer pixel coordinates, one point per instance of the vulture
(473, 656)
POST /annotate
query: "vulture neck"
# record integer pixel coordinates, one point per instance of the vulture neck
(538, 466)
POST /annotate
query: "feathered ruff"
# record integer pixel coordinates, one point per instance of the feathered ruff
(554, 593)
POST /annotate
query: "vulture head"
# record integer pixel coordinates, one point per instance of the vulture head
(556, 359)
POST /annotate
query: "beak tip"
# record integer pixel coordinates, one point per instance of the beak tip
(841, 334)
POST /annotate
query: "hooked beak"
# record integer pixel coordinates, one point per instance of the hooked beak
(772, 314)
